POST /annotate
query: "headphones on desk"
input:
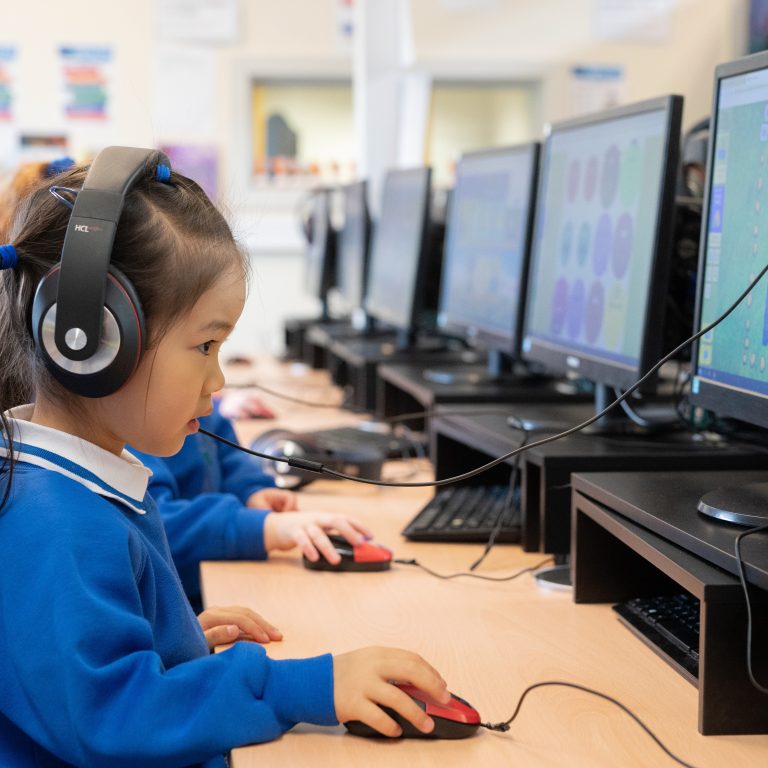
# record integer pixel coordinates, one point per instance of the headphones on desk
(360, 461)
(86, 319)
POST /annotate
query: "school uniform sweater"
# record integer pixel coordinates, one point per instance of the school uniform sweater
(102, 660)
(201, 493)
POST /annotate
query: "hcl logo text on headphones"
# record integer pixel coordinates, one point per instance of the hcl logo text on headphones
(87, 228)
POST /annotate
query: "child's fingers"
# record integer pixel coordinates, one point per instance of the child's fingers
(374, 716)
(303, 542)
(347, 529)
(323, 544)
(390, 696)
(221, 635)
(247, 621)
(288, 501)
(410, 668)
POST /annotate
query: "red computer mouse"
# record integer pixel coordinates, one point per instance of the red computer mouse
(455, 720)
(354, 557)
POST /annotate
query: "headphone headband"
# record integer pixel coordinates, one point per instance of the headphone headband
(87, 249)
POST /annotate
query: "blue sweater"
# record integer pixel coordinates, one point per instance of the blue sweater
(201, 492)
(102, 660)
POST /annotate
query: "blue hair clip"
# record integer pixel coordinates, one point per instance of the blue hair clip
(163, 172)
(56, 192)
(8, 257)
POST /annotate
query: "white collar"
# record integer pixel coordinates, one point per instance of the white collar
(123, 477)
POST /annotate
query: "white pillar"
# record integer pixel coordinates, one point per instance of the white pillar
(391, 98)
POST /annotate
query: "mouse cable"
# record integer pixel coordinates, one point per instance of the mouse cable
(510, 501)
(320, 468)
(506, 724)
(469, 574)
(745, 587)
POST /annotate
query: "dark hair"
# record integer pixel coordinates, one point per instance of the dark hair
(171, 243)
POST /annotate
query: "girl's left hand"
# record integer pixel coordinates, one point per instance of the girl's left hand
(274, 499)
(226, 625)
(308, 531)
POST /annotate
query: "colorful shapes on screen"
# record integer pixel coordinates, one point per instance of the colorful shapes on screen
(566, 243)
(575, 313)
(622, 245)
(601, 252)
(559, 306)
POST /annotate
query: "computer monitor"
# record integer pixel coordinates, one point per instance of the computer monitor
(321, 250)
(602, 243)
(398, 262)
(487, 237)
(731, 361)
(352, 246)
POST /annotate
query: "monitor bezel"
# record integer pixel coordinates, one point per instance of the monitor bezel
(321, 277)
(471, 333)
(738, 404)
(601, 370)
(356, 187)
(418, 284)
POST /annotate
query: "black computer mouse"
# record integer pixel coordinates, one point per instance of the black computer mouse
(354, 557)
(455, 720)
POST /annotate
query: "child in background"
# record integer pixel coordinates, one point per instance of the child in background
(103, 662)
(215, 502)
(26, 178)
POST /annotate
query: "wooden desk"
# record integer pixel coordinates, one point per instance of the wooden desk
(489, 640)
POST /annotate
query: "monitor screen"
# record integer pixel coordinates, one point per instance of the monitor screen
(602, 240)
(353, 245)
(487, 235)
(731, 373)
(320, 251)
(398, 248)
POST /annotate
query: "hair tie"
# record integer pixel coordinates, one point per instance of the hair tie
(8, 257)
(163, 172)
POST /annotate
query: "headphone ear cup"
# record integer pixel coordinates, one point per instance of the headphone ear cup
(122, 337)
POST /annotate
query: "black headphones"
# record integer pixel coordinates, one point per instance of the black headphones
(87, 320)
(360, 461)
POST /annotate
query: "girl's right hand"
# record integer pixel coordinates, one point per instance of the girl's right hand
(363, 684)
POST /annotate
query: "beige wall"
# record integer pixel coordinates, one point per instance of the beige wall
(548, 36)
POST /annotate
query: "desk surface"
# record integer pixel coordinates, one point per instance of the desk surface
(489, 640)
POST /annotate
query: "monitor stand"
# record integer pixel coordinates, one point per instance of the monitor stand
(745, 505)
(615, 423)
(557, 577)
(500, 367)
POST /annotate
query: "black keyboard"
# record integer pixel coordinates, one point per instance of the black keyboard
(391, 445)
(468, 513)
(670, 625)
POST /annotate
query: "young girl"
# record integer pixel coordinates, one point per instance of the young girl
(102, 661)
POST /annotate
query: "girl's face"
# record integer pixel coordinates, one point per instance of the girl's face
(172, 387)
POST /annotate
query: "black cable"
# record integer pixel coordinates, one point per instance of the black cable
(505, 725)
(641, 421)
(320, 468)
(745, 587)
(403, 561)
(508, 501)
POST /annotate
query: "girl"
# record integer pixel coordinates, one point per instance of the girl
(102, 660)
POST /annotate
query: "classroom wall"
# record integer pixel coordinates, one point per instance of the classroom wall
(530, 39)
